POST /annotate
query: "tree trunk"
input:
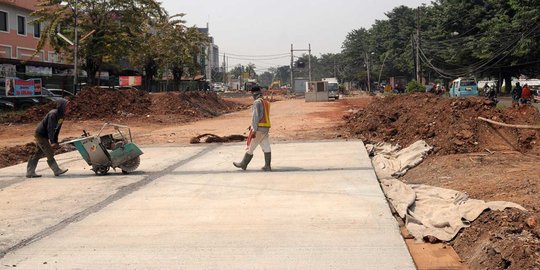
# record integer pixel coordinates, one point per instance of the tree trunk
(150, 69)
(177, 72)
(508, 83)
(91, 67)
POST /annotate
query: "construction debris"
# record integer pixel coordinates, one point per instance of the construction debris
(212, 138)
(507, 239)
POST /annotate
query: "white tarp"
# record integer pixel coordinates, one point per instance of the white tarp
(427, 210)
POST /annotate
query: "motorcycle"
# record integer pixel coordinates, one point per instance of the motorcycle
(491, 94)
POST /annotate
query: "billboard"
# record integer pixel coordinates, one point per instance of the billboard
(130, 80)
(23, 88)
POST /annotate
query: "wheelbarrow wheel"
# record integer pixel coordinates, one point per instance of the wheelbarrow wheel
(101, 170)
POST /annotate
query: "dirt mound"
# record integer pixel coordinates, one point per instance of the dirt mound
(10, 156)
(32, 114)
(507, 239)
(97, 103)
(104, 104)
(194, 104)
(449, 124)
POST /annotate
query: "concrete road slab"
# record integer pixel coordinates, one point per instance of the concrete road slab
(30, 207)
(322, 208)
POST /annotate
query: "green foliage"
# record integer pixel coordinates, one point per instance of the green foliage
(265, 79)
(414, 86)
(136, 30)
(169, 45)
(457, 38)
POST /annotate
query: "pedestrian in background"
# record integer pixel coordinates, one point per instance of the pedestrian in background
(259, 131)
(525, 95)
(46, 138)
(516, 94)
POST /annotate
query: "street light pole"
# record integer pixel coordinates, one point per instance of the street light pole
(76, 58)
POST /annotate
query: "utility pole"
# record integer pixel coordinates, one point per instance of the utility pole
(368, 78)
(418, 72)
(292, 66)
(240, 78)
(292, 62)
(309, 62)
(76, 50)
(224, 70)
(382, 66)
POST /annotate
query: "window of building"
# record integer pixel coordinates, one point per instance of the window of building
(37, 29)
(21, 23)
(3, 21)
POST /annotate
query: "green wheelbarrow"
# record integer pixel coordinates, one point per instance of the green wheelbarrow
(113, 150)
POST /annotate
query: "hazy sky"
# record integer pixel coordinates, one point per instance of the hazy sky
(268, 27)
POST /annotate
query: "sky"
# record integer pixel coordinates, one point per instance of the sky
(261, 32)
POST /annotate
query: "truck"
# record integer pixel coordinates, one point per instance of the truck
(333, 87)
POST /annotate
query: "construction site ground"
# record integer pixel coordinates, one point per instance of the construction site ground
(488, 162)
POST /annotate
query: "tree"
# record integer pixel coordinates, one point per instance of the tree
(488, 38)
(354, 51)
(265, 79)
(118, 25)
(183, 46)
(283, 73)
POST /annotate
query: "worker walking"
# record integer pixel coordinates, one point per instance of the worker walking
(260, 127)
(46, 137)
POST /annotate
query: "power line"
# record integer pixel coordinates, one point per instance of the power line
(481, 65)
(255, 58)
(256, 55)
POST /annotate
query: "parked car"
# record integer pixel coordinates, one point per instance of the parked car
(6, 106)
(126, 88)
(61, 93)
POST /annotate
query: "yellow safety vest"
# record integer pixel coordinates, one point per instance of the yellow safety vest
(265, 120)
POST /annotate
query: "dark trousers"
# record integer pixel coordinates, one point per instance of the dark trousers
(43, 148)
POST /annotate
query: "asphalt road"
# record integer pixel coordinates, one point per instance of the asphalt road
(507, 101)
(189, 208)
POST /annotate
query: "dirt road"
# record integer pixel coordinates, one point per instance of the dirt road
(292, 119)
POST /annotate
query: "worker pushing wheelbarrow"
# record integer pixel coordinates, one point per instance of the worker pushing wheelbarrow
(104, 152)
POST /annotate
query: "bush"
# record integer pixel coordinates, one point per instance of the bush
(414, 86)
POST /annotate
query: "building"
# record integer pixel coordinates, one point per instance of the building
(19, 36)
(209, 59)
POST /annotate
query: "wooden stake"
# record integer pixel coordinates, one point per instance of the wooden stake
(508, 125)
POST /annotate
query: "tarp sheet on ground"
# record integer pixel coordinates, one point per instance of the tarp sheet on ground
(427, 210)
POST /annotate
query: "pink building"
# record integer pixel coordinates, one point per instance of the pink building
(19, 36)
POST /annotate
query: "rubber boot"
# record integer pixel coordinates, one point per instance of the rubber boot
(267, 161)
(245, 161)
(54, 166)
(31, 168)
